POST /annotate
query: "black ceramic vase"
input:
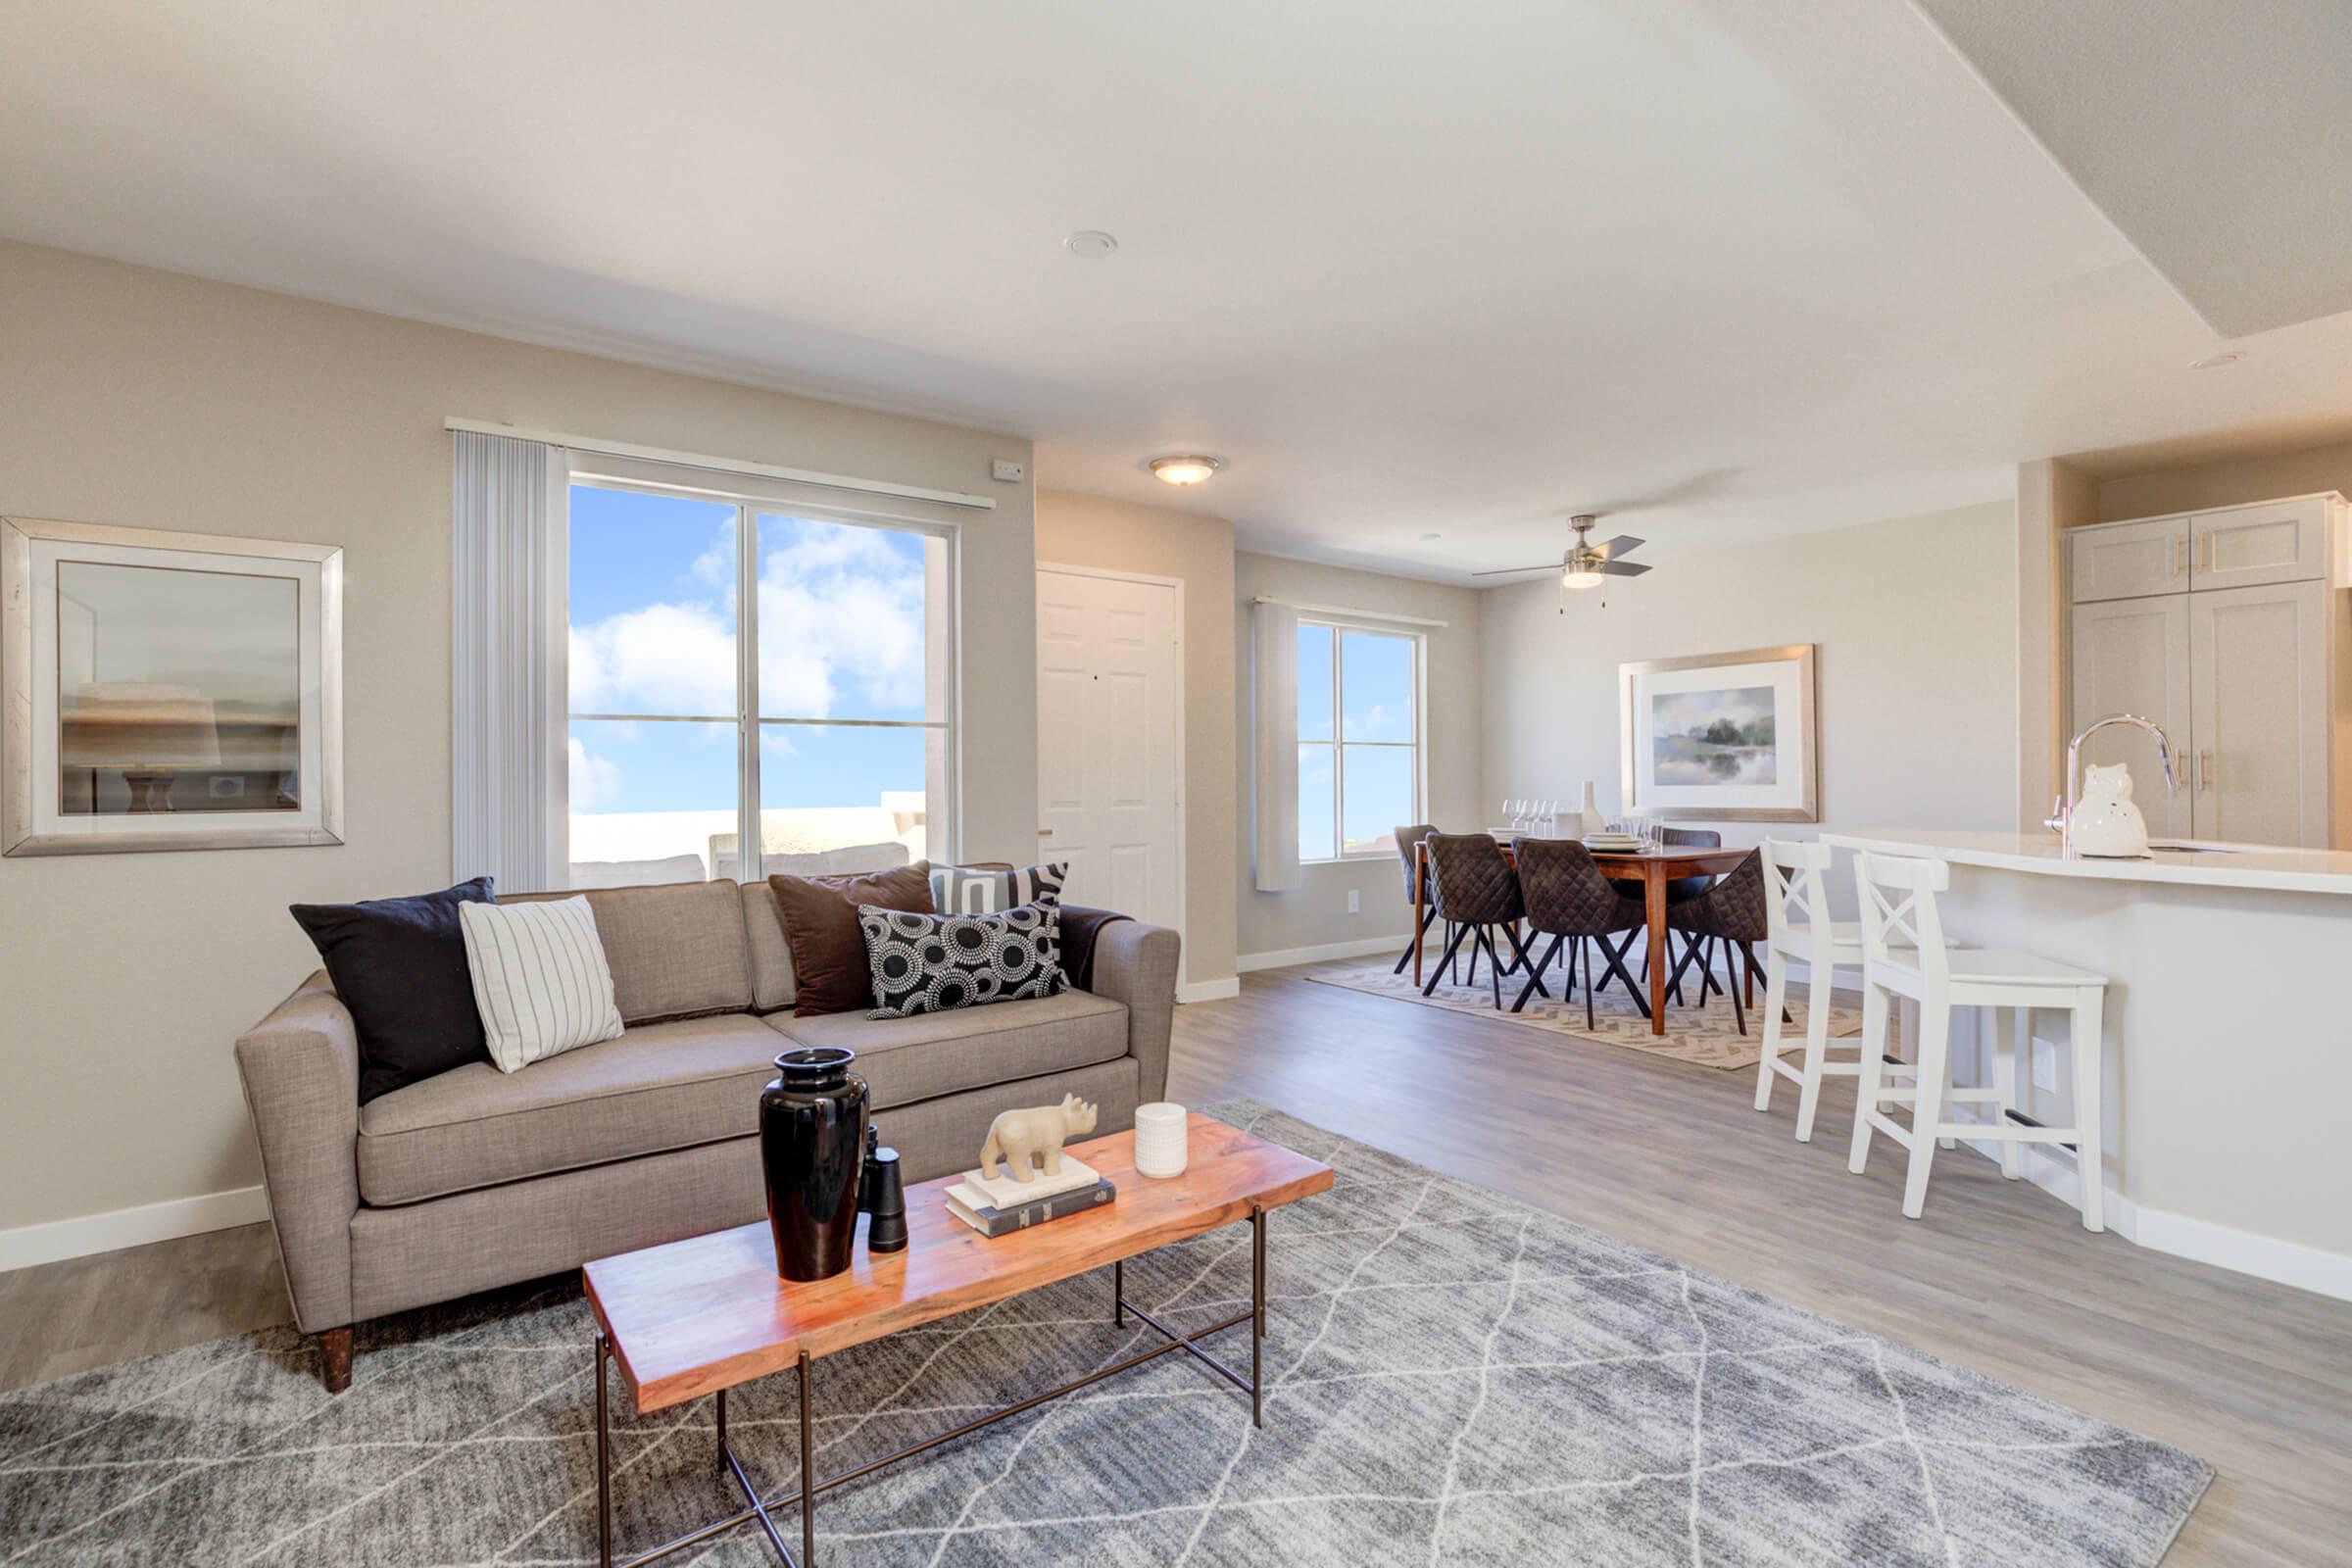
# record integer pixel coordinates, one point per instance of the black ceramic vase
(812, 1151)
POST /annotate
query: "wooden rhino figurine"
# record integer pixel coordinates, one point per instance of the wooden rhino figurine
(1018, 1137)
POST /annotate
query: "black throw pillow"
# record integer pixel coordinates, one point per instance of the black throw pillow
(399, 964)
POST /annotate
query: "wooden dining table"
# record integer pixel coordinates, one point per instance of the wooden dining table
(1652, 868)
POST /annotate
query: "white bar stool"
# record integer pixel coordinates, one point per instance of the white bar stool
(1797, 913)
(1904, 954)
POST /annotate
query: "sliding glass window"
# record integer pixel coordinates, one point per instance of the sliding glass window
(1359, 738)
(816, 722)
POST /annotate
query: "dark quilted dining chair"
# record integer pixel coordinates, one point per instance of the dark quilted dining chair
(1568, 899)
(1733, 911)
(1407, 837)
(1476, 894)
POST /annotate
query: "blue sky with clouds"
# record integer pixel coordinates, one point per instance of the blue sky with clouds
(652, 585)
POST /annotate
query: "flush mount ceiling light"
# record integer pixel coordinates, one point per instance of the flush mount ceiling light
(2213, 362)
(1090, 244)
(1185, 468)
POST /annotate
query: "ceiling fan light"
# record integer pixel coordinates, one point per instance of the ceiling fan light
(1575, 578)
(1185, 468)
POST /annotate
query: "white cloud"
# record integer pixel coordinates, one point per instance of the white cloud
(663, 659)
(841, 615)
(594, 780)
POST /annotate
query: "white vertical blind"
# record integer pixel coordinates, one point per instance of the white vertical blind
(1274, 684)
(508, 508)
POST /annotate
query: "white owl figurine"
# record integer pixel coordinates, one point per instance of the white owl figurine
(2106, 822)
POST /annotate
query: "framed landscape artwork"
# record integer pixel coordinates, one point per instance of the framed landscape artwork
(1725, 737)
(167, 691)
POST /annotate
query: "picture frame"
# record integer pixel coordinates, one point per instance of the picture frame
(1722, 737)
(167, 691)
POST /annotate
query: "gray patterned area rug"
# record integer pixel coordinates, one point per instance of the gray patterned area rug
(1454, 1379)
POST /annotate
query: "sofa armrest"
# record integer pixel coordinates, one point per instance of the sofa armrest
(301, 1070)
(1136, 963)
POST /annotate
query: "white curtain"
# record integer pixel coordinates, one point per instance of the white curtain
(1274, 682)
(508, 508)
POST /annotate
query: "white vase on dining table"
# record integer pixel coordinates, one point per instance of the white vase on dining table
(1592, 819)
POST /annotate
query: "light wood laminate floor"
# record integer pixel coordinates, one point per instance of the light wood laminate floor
(1998, 1276)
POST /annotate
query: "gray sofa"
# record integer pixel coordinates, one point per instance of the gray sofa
(478, 1178)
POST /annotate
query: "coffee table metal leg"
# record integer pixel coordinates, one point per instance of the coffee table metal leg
(1118, 1294)
(1257, 1316)
(807, 1473)
(603, 1460)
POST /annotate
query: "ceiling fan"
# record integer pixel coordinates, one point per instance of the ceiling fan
(1585, 564)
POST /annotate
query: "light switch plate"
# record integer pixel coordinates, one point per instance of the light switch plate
(2045, 1066)
(1007, 471)
(1355, 901)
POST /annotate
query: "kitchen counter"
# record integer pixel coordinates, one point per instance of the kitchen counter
(2189, 863)
(2229, 1051)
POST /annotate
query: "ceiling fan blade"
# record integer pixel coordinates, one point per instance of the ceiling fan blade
(1624, 544)
(1621, 569)
(1505, 571)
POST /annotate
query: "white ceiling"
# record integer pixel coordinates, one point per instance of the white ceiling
(2216, 136)
(1726, 269)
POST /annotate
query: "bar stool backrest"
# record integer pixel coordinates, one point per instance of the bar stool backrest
(1796, 901)
(1901, 927)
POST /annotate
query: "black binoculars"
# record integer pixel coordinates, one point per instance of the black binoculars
(882, 1196)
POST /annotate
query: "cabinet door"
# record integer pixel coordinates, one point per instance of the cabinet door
(2258, 692)
(2132, 656)
(2249, 545)
(2125, 561)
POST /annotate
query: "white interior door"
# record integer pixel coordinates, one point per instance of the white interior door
(2258, 687)
(1109, 784)
(2130, 655)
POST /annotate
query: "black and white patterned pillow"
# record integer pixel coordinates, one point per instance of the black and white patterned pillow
(933, 963)
(964, 890)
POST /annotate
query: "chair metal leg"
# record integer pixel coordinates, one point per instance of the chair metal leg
(1730, 989)
(1615, 960)
(1486, 938)
(1535, 971)
(1535, 978)
(1412, 942)
(1453, 941)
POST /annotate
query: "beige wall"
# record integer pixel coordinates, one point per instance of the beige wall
(1118, 536)
(2052, 495)
(2226, 484)
(137, 397)
(1916, 620)
(1315, 915)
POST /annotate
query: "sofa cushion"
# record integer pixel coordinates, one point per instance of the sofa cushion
(659, 1087)
(676, 949)
(820, 921)
(908, 1060)
(772, 983)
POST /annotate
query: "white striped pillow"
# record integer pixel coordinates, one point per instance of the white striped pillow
(539, 978)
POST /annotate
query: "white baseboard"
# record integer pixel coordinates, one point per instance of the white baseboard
(1210, 990)
(80, 1237)
(1361, 947)
(2200, 1241)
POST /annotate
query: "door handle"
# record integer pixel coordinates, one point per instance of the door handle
(2205, 552)
(2176, 554)
(1044, 832)
(2205, 773)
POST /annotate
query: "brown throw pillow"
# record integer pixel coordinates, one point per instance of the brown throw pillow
(820, 917)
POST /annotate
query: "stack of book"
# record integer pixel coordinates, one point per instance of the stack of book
(995, 1205)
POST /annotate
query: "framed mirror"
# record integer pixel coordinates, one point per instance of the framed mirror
(167, 691)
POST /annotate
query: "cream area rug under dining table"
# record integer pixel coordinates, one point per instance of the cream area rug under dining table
(1705, 1036)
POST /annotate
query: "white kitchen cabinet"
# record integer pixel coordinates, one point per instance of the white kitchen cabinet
(2130, 655)
(2228, 628)
(2243, 547)
(2129, 560)
(2259, 714)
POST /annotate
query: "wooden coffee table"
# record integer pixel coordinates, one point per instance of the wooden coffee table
(696, 1317)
